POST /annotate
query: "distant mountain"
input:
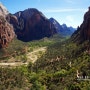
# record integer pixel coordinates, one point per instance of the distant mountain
(28, 25)
(62, 29)
(72, 29)
(31, 24)
(83, 32)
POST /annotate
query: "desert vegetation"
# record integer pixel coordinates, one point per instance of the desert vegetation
(56, 69)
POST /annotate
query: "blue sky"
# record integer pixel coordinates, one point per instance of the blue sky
(70, 12)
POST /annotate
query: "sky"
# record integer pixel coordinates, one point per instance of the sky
(70, 12)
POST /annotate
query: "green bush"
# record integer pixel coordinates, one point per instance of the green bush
(60, 73)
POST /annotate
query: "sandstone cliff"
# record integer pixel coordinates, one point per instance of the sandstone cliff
(83, 32)
(6, 30)
(31, 24)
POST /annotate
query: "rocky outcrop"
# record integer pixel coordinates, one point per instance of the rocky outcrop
(3, 10)
(83, 32)
(62, 29)
(6, 32)
(31, 24)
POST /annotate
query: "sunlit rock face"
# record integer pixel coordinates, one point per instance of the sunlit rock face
(3, 10)
(31, 24)
(6, 30)
(83, 32)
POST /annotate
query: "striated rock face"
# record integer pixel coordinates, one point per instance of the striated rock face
(83, 32)
(31, 24)
(6, 32)
(62, 29)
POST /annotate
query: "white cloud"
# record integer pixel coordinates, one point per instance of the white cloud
(64, 10)
(70, 19)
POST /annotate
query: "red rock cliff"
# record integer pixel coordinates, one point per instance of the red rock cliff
(6, 32)
(83, 32)
(31, 24)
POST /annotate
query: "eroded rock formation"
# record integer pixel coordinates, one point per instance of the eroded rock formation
(6, 32)
(83, 32)
(31, 24)
(6, 29)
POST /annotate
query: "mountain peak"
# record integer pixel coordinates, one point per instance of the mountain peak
(62, 29)
(31, 24)
(89, 8)
(64, 25)
(3, 10)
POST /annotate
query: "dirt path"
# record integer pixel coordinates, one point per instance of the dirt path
(31, 57)
(13, 64)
